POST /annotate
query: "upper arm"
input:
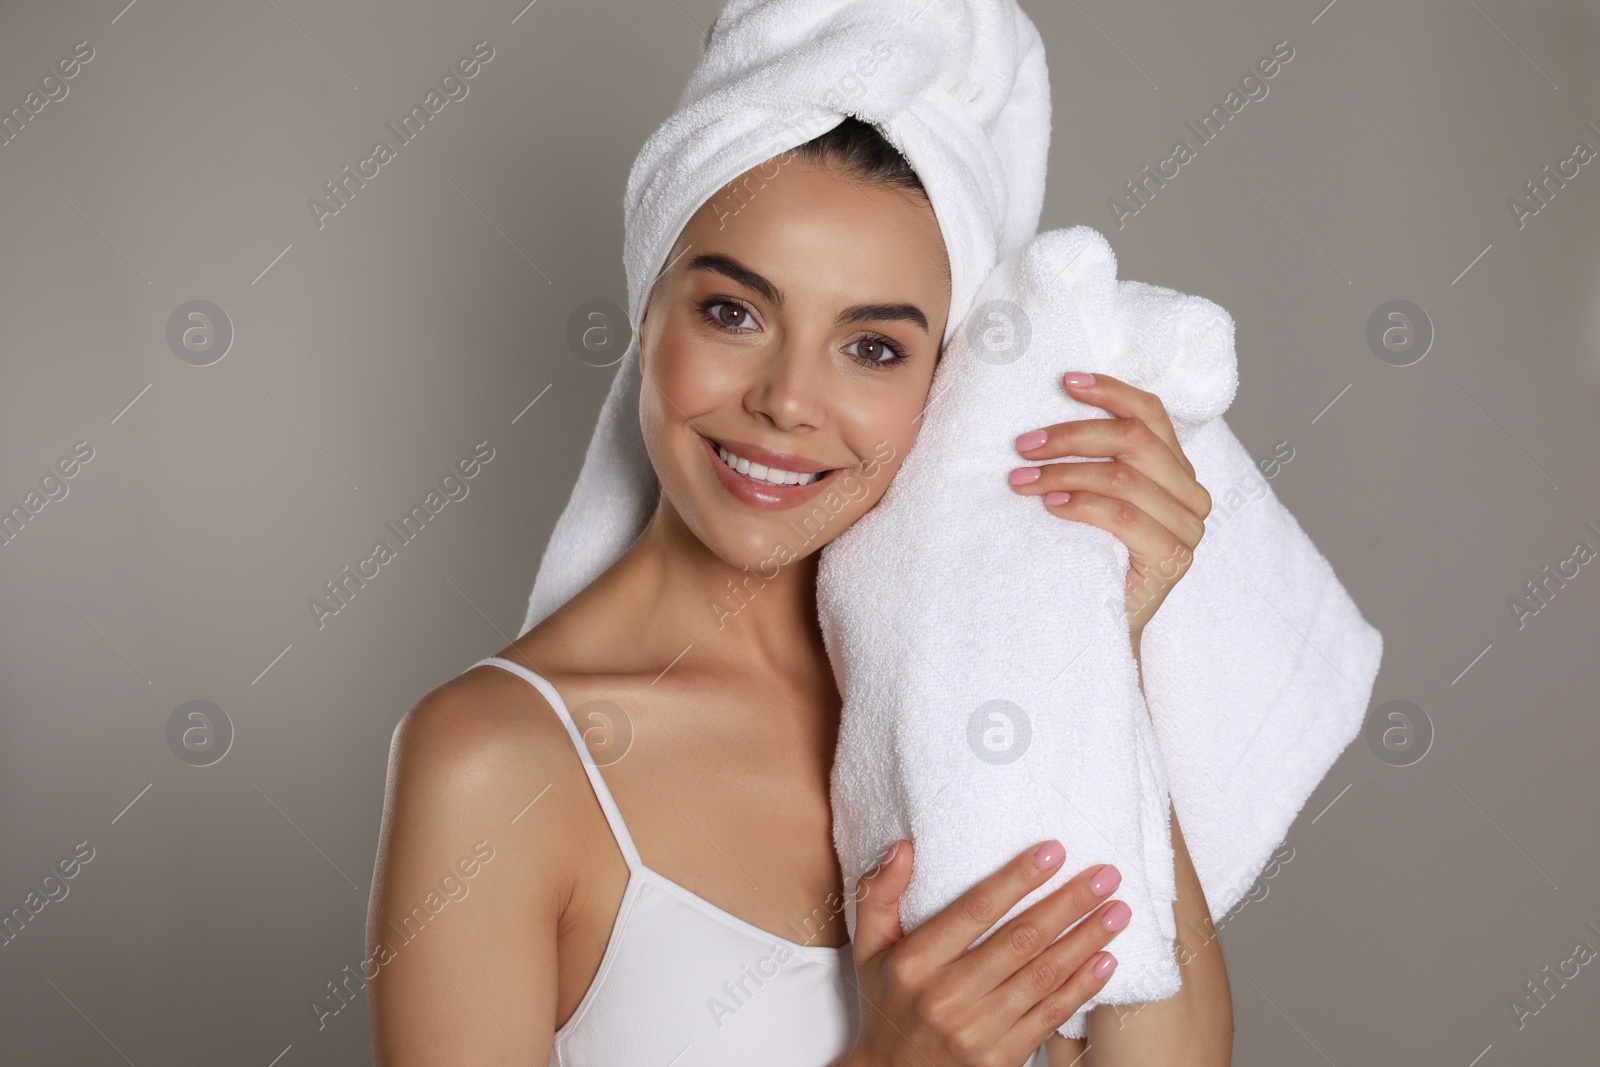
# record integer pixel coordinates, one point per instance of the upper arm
(1063, 1051)
(461, 925)
(1193, 1027)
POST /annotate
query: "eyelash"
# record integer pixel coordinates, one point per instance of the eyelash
(898, 358)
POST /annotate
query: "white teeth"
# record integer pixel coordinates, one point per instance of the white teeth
(767, 475)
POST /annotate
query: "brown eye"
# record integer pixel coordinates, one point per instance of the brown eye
(728, 314)
(876, 352)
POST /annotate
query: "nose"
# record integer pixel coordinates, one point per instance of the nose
(789, 389)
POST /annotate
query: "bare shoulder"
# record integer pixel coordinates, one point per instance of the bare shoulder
(479, 843)
(483, 731)
(478, 755)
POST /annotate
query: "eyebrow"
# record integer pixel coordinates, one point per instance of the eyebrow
(728, 267)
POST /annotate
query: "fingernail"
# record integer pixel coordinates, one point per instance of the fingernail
(1050, 853)
(1055, 498)
(1078, 378)
(1024, 475)
(1116, 916)
(889, 855)
(1105, 880)
(1030, 440)
(1105, 966)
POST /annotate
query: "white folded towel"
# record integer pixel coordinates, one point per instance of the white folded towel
(981, 643)
(1257, 666)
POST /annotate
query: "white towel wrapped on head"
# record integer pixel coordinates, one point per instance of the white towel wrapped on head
(960, 87)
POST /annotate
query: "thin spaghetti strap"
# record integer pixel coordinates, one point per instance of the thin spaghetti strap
(602, 792)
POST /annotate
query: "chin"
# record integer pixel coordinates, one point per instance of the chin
(761, 544)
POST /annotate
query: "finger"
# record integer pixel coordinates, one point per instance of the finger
(878, 902)
(1047, 1016)
(1042, 993)
(1120, 480)
(1039, 978)
(1127, 439)
(1029, 934)
(953, 929)
(1120, 398)
(1149, 542)
(1152, 548)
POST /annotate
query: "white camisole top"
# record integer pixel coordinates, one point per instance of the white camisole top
(684, 983)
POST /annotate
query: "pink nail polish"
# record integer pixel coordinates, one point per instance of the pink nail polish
(1055, 498)
(1116, 916)
(1105, 880)
(1024, 475)
(1078, 378)
(1050, 853)
(1030, 440)
(1105, 966)
(889, 855)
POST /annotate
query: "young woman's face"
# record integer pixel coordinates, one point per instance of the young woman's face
(796, 328)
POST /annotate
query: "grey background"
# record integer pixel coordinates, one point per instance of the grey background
(431, 311)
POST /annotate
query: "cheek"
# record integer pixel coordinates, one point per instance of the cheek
(685, 383)
(898, 414)
(882, 429)
(691, 377)
(673, 387)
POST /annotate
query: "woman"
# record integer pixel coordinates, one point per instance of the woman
(794, 338)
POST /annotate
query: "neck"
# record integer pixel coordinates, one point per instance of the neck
(757, 619)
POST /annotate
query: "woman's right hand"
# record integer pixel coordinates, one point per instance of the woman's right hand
(927, 999)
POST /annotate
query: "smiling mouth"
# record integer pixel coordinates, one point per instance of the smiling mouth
(772, 477)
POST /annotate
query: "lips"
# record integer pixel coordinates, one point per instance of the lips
(762, 494)
(787, 461)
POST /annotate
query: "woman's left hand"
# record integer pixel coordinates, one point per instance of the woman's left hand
(1146, 493)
